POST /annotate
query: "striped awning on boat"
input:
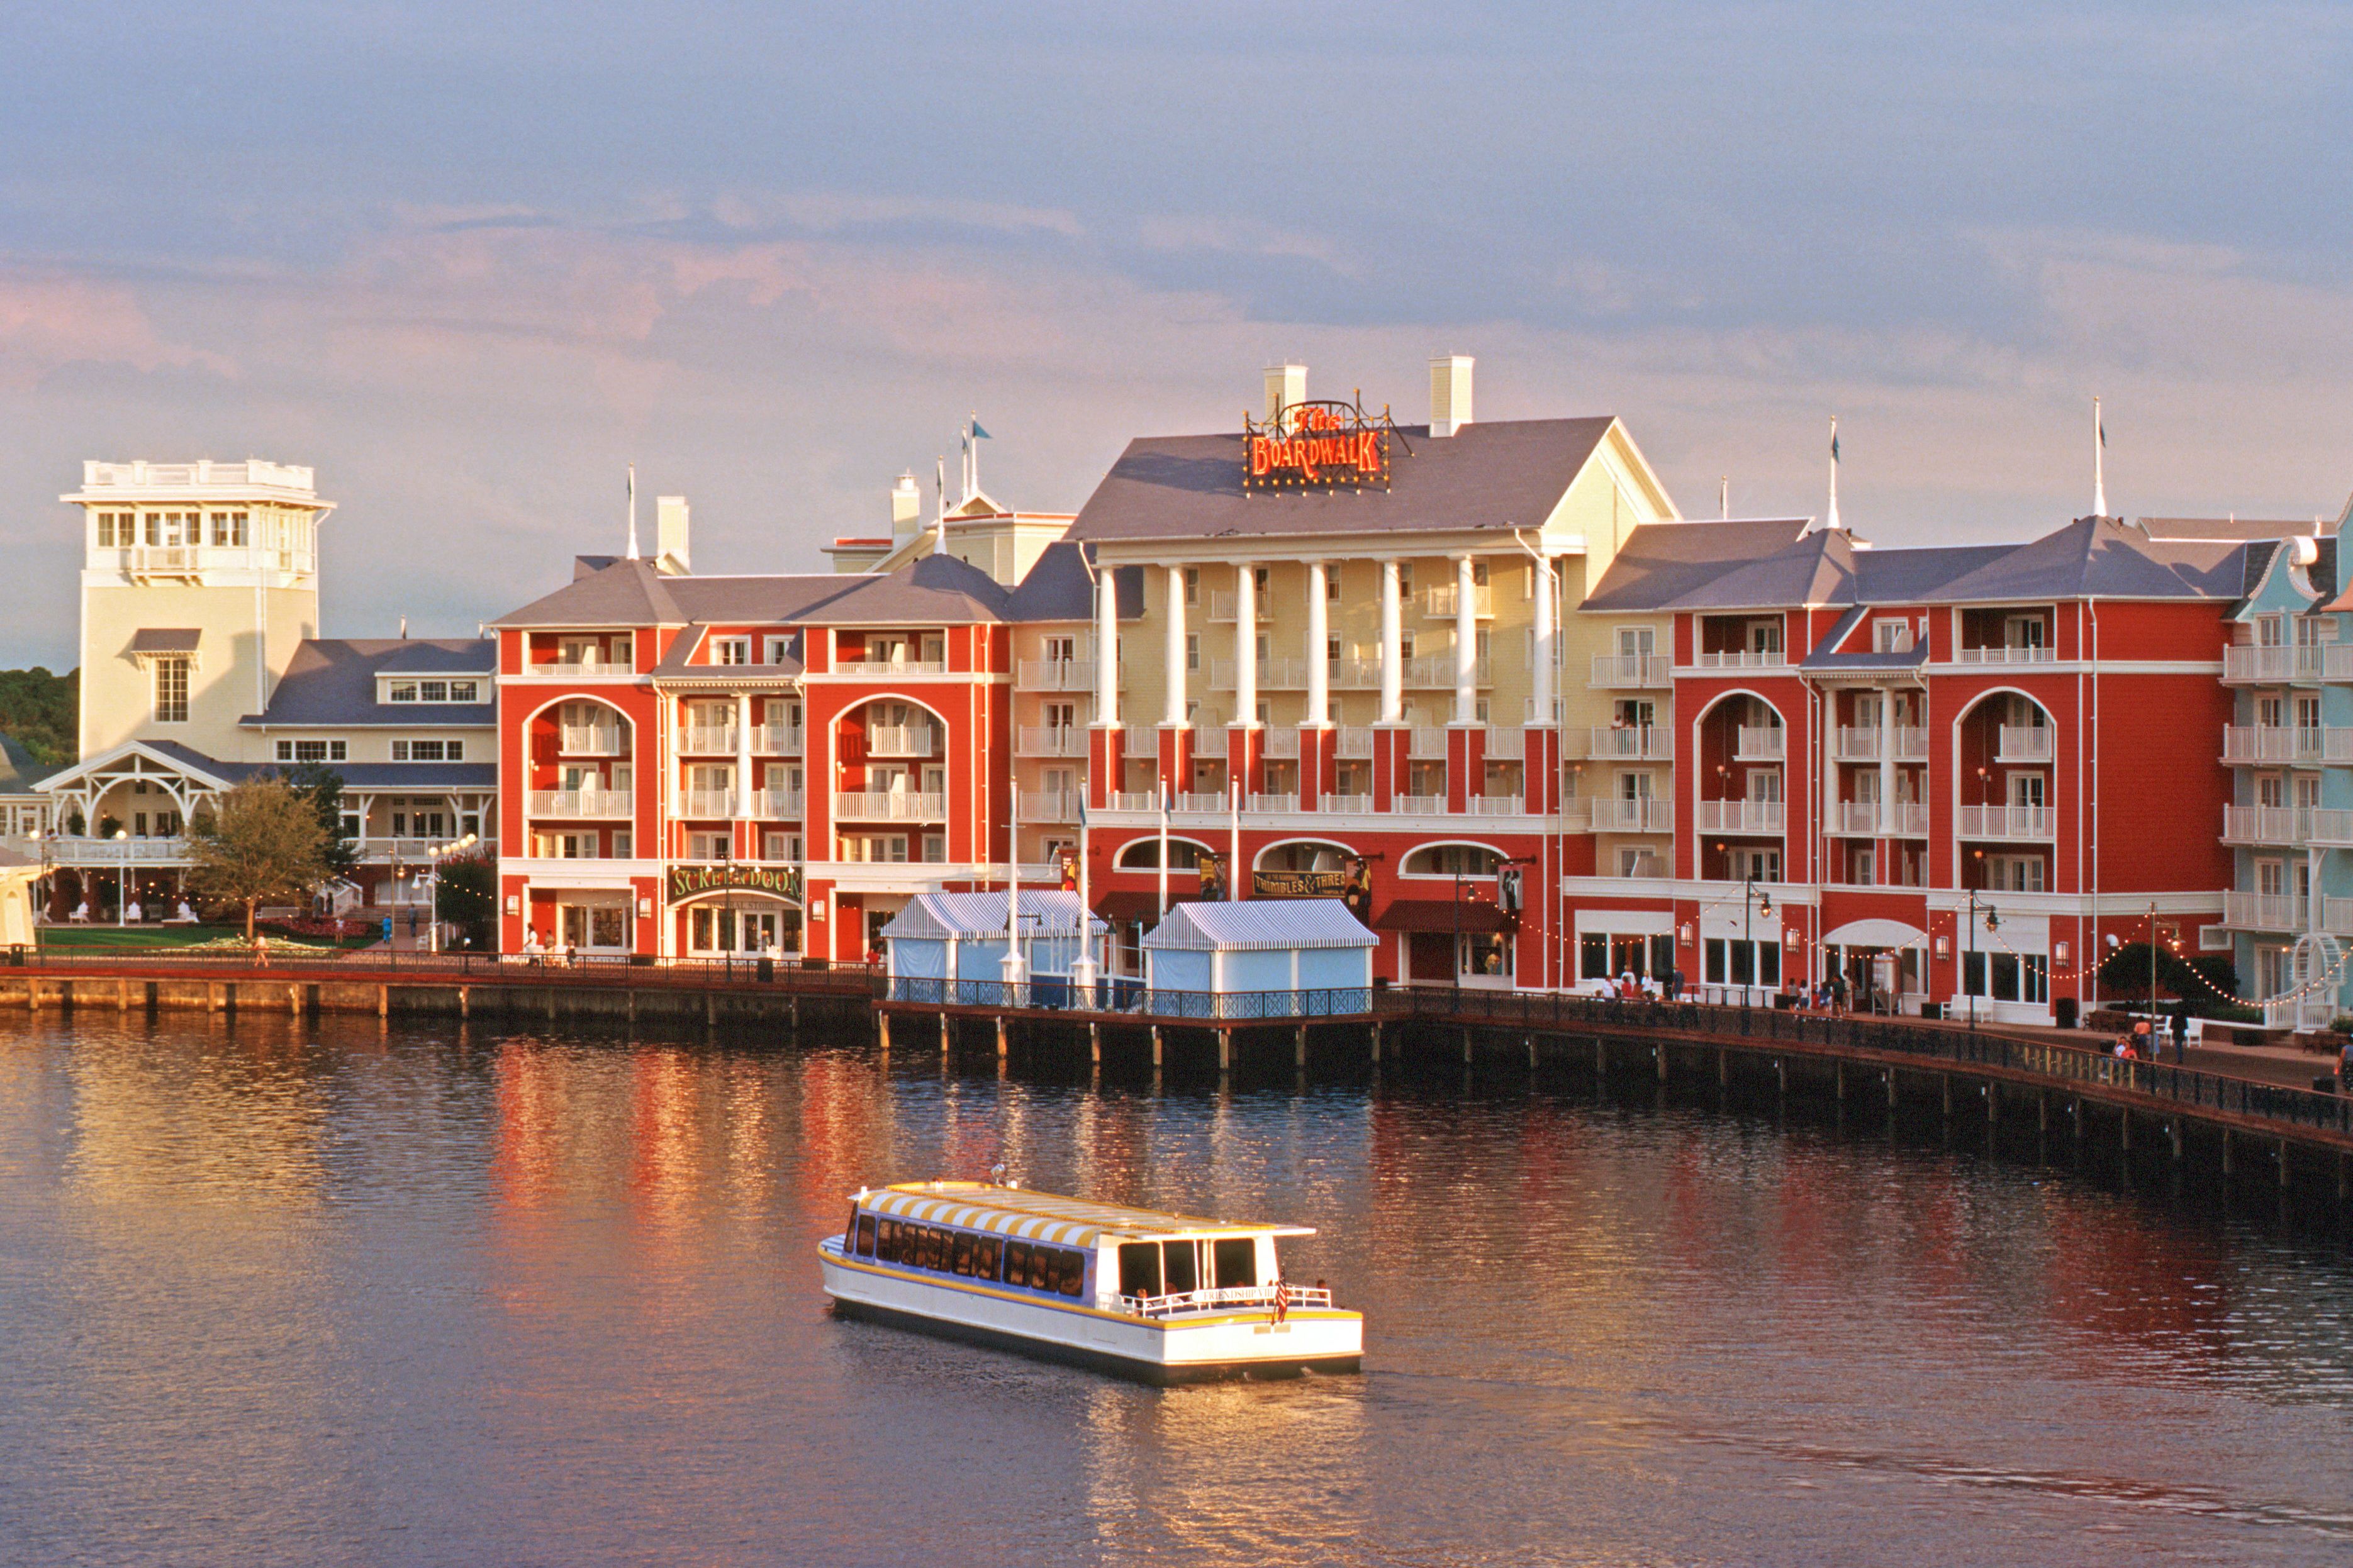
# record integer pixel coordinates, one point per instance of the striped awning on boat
(1028, 1215)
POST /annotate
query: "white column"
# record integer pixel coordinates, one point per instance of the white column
(1319, 673)
(1466, 644)
(1174, 673)
(1547, 652)
(1106, 648)
(1392, 645)
(1886, 768)
(1245, 645)
(743, 754)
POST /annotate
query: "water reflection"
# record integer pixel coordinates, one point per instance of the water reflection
(283, 1292)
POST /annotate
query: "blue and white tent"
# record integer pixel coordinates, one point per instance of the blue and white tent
(962, 936)
(1287, 956)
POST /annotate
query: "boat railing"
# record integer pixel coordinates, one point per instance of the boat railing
(1180, 1302)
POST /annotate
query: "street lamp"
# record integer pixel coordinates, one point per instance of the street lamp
(1992, 924)
(433, 893)
(1754, 901)
(122, 879)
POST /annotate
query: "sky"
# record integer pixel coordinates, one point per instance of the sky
(470, 261)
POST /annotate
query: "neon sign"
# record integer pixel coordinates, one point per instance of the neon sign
(1327, 444)
(728, 877)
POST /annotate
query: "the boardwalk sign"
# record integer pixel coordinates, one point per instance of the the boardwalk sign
(730, 877)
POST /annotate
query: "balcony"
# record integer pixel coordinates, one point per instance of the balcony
(779, 804)
(2265, 911)
(579, 803)
(890, 805)
(1911, 743)
(1354, 743)
(1504, 743)
(1049, 741)
(1856, 820)
(1869, 743)
(590, 739)
(2004, 655)
(1199, 801)
(1141, 740)
(1631, 744)
(1134, 800)
(707, 740)
(101, 853)
(1910, 819)
(1223, 605)
(1439, 603)
(590, 669)
(1345, 804)
(2337, 661)
(171, 560)
(1638, 815)
(2327, 824)
(1421, 805)
(1741, 815)
(1760, 743)
(1280, 745)
(1054, 675)
(707, 803)
(1429, 670)
(2272, 743)
(1050, 804)
(1623, 671)
(1743, 658)
(2263, 825)
(2336, 919)
(2023, 743)
(901, 740)
(777, 740)
(888, 669)
(1496, 806)
(1426, 743)
(1273, 675)
(1856, 745)
(2008, 822)
(1271, 803)
(2279, 662)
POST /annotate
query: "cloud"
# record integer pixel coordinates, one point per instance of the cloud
(52, 320)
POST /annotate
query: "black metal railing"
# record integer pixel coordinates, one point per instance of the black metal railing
(1128, 996)
(376, 964)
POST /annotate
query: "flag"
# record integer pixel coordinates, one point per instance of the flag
(1833, 443)
(2101, 425)
(980, 435)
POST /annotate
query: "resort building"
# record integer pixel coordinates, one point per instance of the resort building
(201, 665)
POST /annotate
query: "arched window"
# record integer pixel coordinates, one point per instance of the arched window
(1451, 861)
(1143, 855)
(1304, 855)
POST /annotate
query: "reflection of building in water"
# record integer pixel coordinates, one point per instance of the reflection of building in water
(244, 1119)
(847, 1127)
(528, 1090)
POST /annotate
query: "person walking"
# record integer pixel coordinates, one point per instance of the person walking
(2181, 1031)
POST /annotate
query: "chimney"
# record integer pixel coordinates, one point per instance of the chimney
(1449, 393)
(906, 506)
(1286, 384)
(670, 534)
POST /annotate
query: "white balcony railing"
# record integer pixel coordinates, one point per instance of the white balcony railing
(1741, 815)
(1281, 744)
(2270, 743)
(1496, 806)
(2023, 743)
(2265, 911)
(1426, 743)
(591, 740)
(1354, 743)
(1911, 743)
(1201, 801)
(1141, 740)
(1910, 819)
(1050, 804)
(1866, 744)
(1857, 818)
(2008, 822)
(2336, 919)
(1639, 815)
(2263, 823)
(1438, 602)
(889, 668)
(1633, 743)
(1421, 805)
(2337, 661)
(777, 740)
(592, 669)
(2283, 661)
(1134, 800)
(1222, 604)
(100, 853)
(2327, 824)
(708, 740)
(1345, 804)
(900, 740)
(1857, 744)
(779, 804)
(1271, 803)
(1273, 675)
(2005, 655)
(1054, 675)
(705, 803)
(171, 560)
(1744, 658)
(1050, 740)
(1760, 743)
(1437, 669)
(579, 803)
(890, 805)
(1631, 670)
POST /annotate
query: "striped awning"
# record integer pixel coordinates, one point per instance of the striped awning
(1028, 1215)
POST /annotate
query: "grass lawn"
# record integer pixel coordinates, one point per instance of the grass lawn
(136, 937)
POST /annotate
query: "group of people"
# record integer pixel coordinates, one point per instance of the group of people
(2145, 1040)
(537, 951)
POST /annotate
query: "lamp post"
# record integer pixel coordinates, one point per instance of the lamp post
(1753, 902)
(1992, 924)
(122, 879)
(433, 910)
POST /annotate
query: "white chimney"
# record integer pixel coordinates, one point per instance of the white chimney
(906, 505)
(1449, 393)
(670, 534)
(1286, 384)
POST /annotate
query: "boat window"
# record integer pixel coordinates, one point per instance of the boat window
(987, 1254)
(1236, 1258)
(1016, 1263)
(930, 1246)
(1139, 1268)
(1181, 1267)
(850, 1233)
(886, 1241)
(962, 1254)
(866, 1236)
(1074, 1273)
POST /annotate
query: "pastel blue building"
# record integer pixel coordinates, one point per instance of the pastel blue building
(942, 937)
(1259, 958)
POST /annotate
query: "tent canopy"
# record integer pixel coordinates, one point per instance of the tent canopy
(1272, 924)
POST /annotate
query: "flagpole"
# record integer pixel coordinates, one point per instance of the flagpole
(940, 528)
(2099, 463)
(633, 511)
(1833, 522)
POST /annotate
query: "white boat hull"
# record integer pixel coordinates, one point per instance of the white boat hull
(1188, 1348)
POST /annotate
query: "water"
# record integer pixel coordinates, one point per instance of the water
(286, 1293)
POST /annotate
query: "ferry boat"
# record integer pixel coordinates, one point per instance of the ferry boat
(1165, 1297)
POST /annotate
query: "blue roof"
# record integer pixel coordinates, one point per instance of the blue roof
(1262, 924)
(937, 916)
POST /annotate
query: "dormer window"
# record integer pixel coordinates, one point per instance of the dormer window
(1892, 637)
(730, 650)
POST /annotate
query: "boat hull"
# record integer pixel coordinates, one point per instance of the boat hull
(1213, 1348)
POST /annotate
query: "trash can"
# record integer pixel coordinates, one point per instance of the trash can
(2326, 1085)
(1932, 1009)
(2066, 1010)
(766, 970)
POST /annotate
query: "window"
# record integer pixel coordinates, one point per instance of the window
(1192, 661)
(780, 846)
(401, 691)
(428, 750)
(228, 530)
(1405, 579)
(1736, 962)
(706, 846)
(1332, 585)
(1478, 573)
(1892, 637)
(1192, 591)
(1332, 650)
(313, 750)
(874, 848)
(1765, 637)
(1405, 648)
(730, 650)
(171, 691)
(544, 846)
(621, 843)
(935, 848)
(779, 650)
(465, 692)
(433, 691)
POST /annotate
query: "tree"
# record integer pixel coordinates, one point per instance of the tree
(324, 788)
(262, 841)
(469, 897)
(2205, 982)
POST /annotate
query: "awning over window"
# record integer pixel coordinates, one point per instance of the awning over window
(149, 642)
(1440, 914)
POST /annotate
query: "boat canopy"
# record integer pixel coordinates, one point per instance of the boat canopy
(1044, 1217)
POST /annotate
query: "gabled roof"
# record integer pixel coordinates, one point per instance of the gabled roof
(19, 770)
(1660, 562)
(936, 590)
(333, 681)
(967, 916)
(1059, 587)
(1260, 923)
(2102, 557)
(1494, 477)
(678, 666)
(624, 593)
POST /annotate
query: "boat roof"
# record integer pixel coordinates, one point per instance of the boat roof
(1045, 1216)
